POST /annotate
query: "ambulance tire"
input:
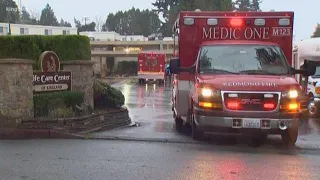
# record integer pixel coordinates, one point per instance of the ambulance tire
(290, 136)
(160, 81)
(196, 133)
(142, 81)
(179, 125)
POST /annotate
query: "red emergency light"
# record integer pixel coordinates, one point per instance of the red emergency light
(269, 105)
(233, 105)
(236, 22)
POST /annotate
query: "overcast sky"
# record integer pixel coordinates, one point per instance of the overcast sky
(307, 13)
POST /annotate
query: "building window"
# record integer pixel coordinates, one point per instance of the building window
(66, 32)
(4, 30)
(131, 39)
(47, 32)
(24, 31)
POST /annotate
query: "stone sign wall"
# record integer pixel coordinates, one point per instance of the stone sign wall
(16, 97)
(17, 81)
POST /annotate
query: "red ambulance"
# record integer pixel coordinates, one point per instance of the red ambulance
(151, 66)
(234, 74)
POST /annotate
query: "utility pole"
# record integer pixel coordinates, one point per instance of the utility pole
(85, 19)
(20, 6)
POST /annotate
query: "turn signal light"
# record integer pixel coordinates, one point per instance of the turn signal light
(210, 105)
(205, 104)
(233, 105)
(293, 106)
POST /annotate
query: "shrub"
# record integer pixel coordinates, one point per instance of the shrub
(127, 67)
(67, 47)
(47, 102)
(106, 96)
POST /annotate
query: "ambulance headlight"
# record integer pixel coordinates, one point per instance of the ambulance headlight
(292, 94)
(205, 92)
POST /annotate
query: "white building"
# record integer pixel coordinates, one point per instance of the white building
(25, 29)
(112, 36)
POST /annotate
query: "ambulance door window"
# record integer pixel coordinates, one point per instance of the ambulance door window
(147, 63)
(154, 62)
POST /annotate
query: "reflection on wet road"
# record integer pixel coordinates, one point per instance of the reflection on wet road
(150, 106)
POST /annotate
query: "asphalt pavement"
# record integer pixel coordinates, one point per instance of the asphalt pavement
(129, 160)
(153, 150)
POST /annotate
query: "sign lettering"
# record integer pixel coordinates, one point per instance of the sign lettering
(280, 31)
(267, 84)
(52, 81)
(223, 33)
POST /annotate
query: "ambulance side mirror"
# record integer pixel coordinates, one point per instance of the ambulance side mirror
(176, 69)
(174, 65)
(308, 68)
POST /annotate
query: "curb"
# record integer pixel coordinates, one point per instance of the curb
(37, 134)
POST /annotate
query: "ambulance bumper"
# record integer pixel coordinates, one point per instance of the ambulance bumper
(242, 122)
(151, 76)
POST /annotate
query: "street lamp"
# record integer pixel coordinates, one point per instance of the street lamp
(9, 10)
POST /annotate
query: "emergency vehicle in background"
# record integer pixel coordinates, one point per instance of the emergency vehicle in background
(151, 66)
(234, 74)
(308, 49)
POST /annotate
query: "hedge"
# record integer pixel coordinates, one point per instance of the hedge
(46, 102)
(106, 96)
(127, 67)
(67, 47)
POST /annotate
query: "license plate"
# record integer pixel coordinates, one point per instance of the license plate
(251, 123)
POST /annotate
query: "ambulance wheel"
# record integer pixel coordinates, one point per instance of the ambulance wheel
(178, 122)
(196, 133)
(142, 81)
(159, 81)
(290, 136)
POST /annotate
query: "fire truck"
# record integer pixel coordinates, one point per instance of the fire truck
(308, 49)
(234, 74)
(151, 67)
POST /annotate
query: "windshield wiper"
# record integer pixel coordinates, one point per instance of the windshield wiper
(218, 71)
(262, 72)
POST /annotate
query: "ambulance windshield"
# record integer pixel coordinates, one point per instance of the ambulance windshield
(242, 59)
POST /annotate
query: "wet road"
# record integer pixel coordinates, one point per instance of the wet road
(125, 160)
(150, 106)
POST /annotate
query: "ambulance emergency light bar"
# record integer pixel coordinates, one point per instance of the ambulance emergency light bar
(189, 21)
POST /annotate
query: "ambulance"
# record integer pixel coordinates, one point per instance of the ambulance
(234, 74)
(151, 67)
